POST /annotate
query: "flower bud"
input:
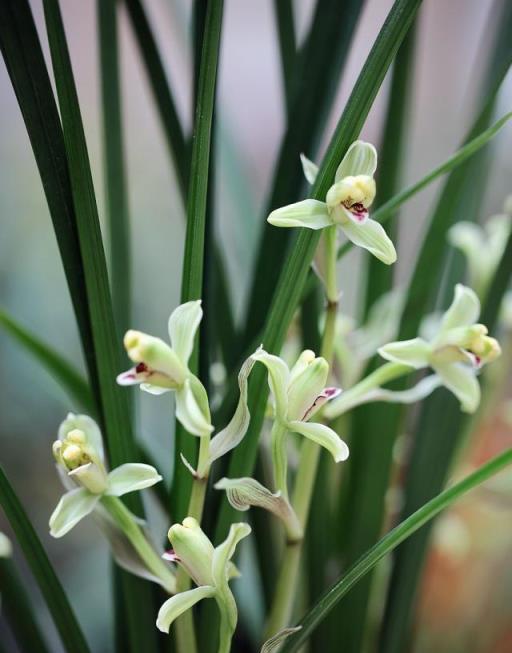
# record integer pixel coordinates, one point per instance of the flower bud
(306, 386)
(193, 550)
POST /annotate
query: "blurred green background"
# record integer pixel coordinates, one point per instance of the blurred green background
(452, 40)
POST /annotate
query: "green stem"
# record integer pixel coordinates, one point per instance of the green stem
(279, 458)
(124, 519)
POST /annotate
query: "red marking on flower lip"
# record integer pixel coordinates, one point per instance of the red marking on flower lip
(358, 211)
(326, 395)
(141, 368)
(170, 556)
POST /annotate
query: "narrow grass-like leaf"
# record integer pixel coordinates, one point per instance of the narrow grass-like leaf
(19, 612)
(56, 365)
(164, 99)
(60, 609)
(290, 286)
(193, 261)
(25, 63)
(400, 533)
(373, 430)
(114, 168)
(317, 74)
(283, 10)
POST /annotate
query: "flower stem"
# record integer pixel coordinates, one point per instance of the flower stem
(186, 641)
(279, 458)
(303, 490)
(124, 519)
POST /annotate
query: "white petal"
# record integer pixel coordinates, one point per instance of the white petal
(180, 603)
(131, 477)
(183, 325)
(234, 432)
(72, 507)
(310, 214)
(153, 389)
(309, 168)
(191, 408)
(322, 435)
(278, 379)
(461, 380)
(371, 236)
(414, 353)
(360, 159)
(274, 643)
(464, 309)
(422, 389)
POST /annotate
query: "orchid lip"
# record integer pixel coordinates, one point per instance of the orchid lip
(326, 395)
(358, 211)
(171, 556)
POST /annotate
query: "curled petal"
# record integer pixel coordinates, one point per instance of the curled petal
(192, 407)
(360, 159)
(180, 603)
(73, 506)
(234, 432)
(461, 380)
(183, 324)
(245, 492)
(278, 379)
(464, 309)
(309, 168)
(370, 235)
(322, 435)
(414, 353)
(131, 477)
(310, 214)
(274, 643)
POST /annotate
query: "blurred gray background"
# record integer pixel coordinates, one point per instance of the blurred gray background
(452, 40)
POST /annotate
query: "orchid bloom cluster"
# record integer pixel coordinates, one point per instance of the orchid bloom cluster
(210, 568)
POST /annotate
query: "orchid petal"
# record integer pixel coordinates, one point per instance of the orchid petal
(309, 168)
(310, 214)
(322, 435)
(131, 477)
(72, 507)
(191, 407)
(306, 387)
(360, 159)
(153, 389)
(278, 379)
(371, 236)
(464, 309)
(460, 379)
(183, 324)
(180, 603)
(414, 353)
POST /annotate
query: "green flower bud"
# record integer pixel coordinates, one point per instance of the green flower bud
(193, 550)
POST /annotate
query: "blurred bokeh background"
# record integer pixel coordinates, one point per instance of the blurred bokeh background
(475, 545)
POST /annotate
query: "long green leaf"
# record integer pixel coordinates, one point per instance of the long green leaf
(372, 444)
(64, 373)
(25, 63)
(317, 74)
(113, 156)
(283, 10)
(193, 261)
(60, 609)
(400, 533)
(18, 610)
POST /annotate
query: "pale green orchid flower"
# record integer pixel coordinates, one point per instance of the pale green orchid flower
(346, 204)
(456, 353)
(161, 368)
(483, 247)
(211, 569)
(5, 546)
(81, 462)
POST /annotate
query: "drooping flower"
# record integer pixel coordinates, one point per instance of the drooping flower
(456, 353)
(161, 368)
(298, 394)
(81, 463)
(210, 568)
(346, 203)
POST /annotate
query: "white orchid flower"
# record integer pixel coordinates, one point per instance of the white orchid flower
(5, 546)
(483, 247)
(81, 460)
(210, 568)
(161, 368)
(346, 204)
(460, 348)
